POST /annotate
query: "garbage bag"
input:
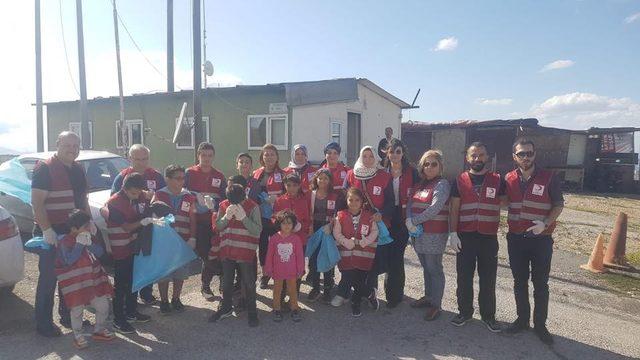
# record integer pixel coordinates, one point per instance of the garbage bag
(266, 210)
(419, 231)
(14, 180)
(384, 237)
(168, 253)
(36, 243)
(329, 255)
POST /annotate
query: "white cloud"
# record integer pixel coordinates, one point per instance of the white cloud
(631, 18)
(447, 44)
(503, 101)
(558, 64)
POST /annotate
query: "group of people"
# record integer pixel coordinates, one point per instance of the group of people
(267, 215)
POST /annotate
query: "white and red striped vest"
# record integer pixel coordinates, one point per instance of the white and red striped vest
(205, 183)
(421, 200)
(182, 225)
(235, 242)
(275, 181)
(479, 212)
(60, 201)
(359, 257)
(534, 204)
(119, 239)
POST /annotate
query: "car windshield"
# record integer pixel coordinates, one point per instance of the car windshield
(102, 172)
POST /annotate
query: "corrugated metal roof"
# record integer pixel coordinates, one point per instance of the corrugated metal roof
(528, 122)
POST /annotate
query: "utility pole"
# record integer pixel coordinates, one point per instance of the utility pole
(204, 39)
(123, 127)
(84, 113)
(170, 46)
(197, 77)
(39, 127)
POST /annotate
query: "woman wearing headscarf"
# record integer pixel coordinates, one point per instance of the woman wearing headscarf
(300, 165)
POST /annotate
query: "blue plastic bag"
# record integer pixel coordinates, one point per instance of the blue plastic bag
(37, 243)
(14, 180)
(384, 237)
(329, 255)
(266, 210)
(168, 253)
(419, 231)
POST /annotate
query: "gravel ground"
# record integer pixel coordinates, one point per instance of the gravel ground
(589, 322)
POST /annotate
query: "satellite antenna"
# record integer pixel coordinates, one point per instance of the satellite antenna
(208, 68)
(181, 121)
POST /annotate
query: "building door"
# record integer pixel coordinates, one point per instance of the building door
(354, 137)
(417, 143)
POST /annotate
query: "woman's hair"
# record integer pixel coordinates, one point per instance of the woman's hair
(77, 219)
(353, 191)
(292, 178)
(314, 179)
(393, 145)
(235, 193)
(281, 216)
(433, 153)
(269, 147)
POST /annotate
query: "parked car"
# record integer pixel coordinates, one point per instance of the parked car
(11, 254)
(101, 168)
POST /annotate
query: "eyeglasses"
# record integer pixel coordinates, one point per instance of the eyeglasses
(431, 164)
(523, 154)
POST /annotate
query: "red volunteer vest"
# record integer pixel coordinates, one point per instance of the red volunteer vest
(152, 177)
(182, 225)
(479, 212)
(421, 200)
(59, 202)
(235, 242)
(305, 176)
(535, 204)
(357, 258)
(300, 206)
(206, 183)
(119, 239)
(406, 187)
(332, 204)
(275, 182)
(374, 186)
(338, 174)
(82, 281)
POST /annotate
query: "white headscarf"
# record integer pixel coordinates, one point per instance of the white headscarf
(362, 172)
(292, 163)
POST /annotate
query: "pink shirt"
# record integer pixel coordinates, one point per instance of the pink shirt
(285, 257)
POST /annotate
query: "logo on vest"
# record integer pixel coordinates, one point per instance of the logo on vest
(285, 251)
(277, 177)
(377, 190)
(151, 184)
(215, 182)
(364, 230)
(343, 174)
(491, 193)
(424, 194)
(185, 206)
(310, 176)
(331, 204)
(537, 189)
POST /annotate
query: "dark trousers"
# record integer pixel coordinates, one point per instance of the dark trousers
(525, 251)
(482, 250)
(203, 245)
(314, 275)
(357, 279)
(267, 230)
(394, 281)
(45, 291)
(124, 301)
(248, 280)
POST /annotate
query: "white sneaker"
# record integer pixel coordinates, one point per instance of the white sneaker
(338, 301)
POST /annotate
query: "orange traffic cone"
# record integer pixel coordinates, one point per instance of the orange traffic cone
(616, 250)
(595, 261)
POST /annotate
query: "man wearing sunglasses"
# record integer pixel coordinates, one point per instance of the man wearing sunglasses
(474, 220)
(535, 202)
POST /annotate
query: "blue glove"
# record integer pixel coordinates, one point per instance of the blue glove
(419, 231)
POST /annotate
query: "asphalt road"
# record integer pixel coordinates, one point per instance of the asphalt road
(589, 322)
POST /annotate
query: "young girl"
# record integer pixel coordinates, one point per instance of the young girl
(285, 263)
(298, 202)
(82, 280)
(356, 236)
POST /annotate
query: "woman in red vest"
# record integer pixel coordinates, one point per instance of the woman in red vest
(429, 206)
(270, 178)
(356, 236)
(300, 165)
(332, 162)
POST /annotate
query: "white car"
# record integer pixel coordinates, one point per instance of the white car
(11, 254)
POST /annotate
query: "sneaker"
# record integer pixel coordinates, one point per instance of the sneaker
(326, 296)
(295, 315)
(517, 326)
(220, 314)
(240, 306)
(543, 334)
(460, 320)
(207, 294)
(66, 322)
(80, 342)
(138, 317)
(432, 313)
(177, 306)
(392, 304)
(373, 300)
(492, 325)
(277, 315)
(338, 301)
(104, 335)
(165, 308)
(54, 331)
(423, 302)
(314, 295)
(148, 300)
(355, 310)
(264, 282)
(123, 327)
(253, 320)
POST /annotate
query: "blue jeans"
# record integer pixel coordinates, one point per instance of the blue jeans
(45, 291)
(433, 278)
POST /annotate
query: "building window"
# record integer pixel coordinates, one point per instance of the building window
(336, 132)
(134, 133)
(76, 128)
(263, 129)
(187, 135)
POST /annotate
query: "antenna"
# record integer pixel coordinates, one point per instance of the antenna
(181, 121)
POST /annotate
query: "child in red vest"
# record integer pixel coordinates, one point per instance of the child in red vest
(285, 263)
(82, 280)
(297, 201)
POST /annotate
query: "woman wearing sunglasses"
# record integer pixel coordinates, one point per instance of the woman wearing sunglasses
(429, 206)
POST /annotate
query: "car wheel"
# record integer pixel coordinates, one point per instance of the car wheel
(5, 291)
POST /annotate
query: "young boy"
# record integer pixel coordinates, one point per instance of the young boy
(239, 223)
(183, 205)
(82, 279)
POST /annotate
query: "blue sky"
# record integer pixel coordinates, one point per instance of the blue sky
(490, 64)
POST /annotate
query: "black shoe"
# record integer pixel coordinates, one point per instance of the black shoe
(544, 335)
(148, 300)
(264, 282)
(355, 310)
(373, 300)
(492, 325)
(207, 293)
(177, 306)
(65, 322)
(326, 296)
(517, 326)
(165, 308)
(51, 332)
(123, 327)
(138, 317)
(220, 314)
(392, 304)
(459, 320)
(253, 320)
(295, 315)
(240, 307)
(277, 316)
(314, 295)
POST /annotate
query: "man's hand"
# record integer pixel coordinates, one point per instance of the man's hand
(50, 236)
(537, 228)
(454, 242)
(146, 221)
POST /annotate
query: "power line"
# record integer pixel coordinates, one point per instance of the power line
(66, 56)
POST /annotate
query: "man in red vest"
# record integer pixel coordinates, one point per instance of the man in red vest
(535, 202)
(476, 195)
(58, 187)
